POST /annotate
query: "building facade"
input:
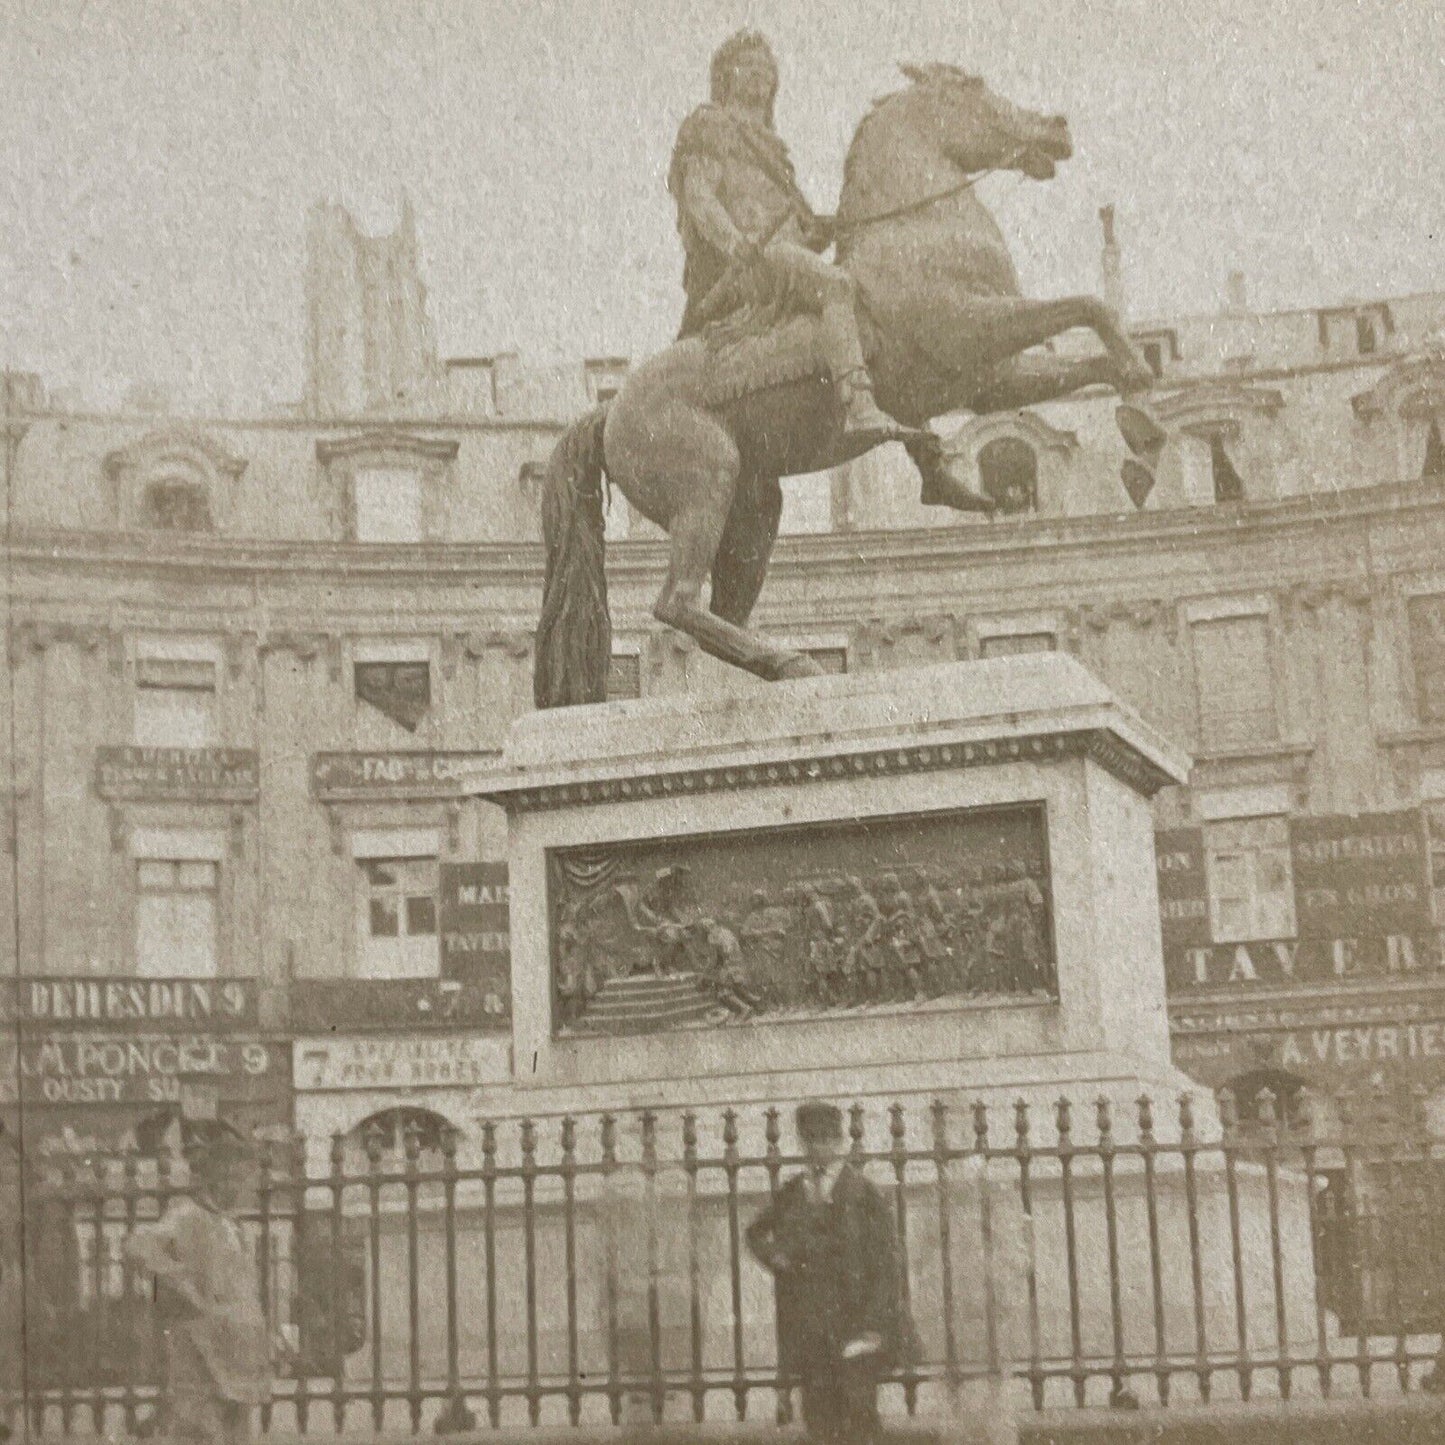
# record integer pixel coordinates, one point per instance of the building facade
(250, 658)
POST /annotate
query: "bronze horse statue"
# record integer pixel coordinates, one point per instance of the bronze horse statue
(700, 434)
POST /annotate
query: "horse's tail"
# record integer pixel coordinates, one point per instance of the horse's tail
(574, 635)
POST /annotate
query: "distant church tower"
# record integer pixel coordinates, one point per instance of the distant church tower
(369, 341)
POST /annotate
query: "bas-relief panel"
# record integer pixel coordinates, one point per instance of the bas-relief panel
(876, 915)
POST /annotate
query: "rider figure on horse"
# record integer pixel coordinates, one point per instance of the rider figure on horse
(743, 218)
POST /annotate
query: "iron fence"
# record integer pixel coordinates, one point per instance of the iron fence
(577, 1269)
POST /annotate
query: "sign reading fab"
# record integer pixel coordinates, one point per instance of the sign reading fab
(400, 1063)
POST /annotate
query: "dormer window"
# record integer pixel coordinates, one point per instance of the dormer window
(1008, 471)
(1221, 431)
(1159, 348)
(1401, 420)
(390, 486)
(1355, 330)
(1022, 461)
(175, 480)
(1228, 484)
(604, 377)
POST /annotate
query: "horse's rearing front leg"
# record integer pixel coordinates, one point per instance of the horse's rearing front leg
(1007, 325)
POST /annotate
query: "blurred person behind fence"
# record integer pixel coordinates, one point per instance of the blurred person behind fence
(217, 1345)
(828, 1238)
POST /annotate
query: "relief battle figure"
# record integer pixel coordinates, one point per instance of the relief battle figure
(747, 230)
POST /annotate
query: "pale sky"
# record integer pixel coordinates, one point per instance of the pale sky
(159, 159)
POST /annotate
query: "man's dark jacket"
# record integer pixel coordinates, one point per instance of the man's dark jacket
(837, 1272)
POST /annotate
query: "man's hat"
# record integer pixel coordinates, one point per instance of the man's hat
(817, 1120)
(213, 1144)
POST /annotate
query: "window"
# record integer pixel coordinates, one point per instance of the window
(175, 702)
(175, 917)
(1366, 339)
(624, 676)
(398, 925)
(399, 688)
(1236, 686)
(388, 505)
(1228, 484)
(1009, 644)
(176, 506)
(1154, 357)
(1426, 618)
(1251, 883)
(1008, 471)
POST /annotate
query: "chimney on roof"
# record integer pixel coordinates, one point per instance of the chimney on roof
(1113, 265)
(1236, 295)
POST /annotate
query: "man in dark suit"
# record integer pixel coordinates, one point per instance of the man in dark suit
(829, 1240)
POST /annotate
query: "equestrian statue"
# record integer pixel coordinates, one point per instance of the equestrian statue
(788, 363)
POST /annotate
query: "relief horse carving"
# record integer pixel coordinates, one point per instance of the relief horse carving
(699, 435)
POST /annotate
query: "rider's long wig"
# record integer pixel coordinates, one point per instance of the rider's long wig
(728, 54)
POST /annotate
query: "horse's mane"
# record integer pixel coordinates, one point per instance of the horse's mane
(933, 73)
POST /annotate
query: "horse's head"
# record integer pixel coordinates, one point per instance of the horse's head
(980, 131)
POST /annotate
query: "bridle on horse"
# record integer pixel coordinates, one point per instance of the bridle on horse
(924, 202)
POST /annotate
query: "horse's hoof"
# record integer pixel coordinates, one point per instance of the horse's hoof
(1142, 434)
(1138, 481)
(798, 665)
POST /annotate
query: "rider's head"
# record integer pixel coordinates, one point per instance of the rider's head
(744, 67)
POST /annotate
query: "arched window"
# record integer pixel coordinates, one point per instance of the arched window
(1008, 471)
(388, 1131)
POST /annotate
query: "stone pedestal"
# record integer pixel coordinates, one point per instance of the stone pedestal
(780, 791)
(922, 887)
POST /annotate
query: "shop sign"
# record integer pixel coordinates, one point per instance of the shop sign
(475, 945)
(1287, 961)
(135, 1069)
(1359, 877)
(194, 775)
(183, 1004)
(350, 1005)
(401, 1063)
(342, 777)
(1183, 891)
(1334, 1051)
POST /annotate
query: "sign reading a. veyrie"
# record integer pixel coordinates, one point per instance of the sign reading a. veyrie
(475, 944)
(401, 1063)
(114, 1003)
(206, 775)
